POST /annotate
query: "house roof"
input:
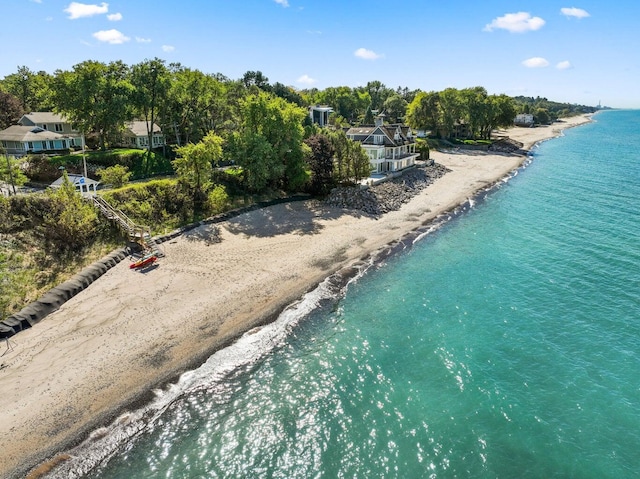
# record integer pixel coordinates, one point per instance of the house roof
(139, 128)
(39, 117)
(28, 133)
(393, 135)
(75, 180)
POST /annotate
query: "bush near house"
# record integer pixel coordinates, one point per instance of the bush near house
(141, 164)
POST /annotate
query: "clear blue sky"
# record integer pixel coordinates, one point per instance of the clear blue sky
(582, 51)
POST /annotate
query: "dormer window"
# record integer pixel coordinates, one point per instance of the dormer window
(378, 139)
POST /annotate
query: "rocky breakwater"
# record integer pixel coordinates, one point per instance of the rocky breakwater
(388, 196)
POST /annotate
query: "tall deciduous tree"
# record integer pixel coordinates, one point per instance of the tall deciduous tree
(450, 111)
(150, 80)
(195, 104)
(23, 86)
(351, 161)
(321, 163)
(280, 124)
(424, 111)
(395, 108)
(10, 110)
(10, 172)
(194, 164)
(95, 96)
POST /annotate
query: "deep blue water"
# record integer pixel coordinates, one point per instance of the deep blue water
(504, 345)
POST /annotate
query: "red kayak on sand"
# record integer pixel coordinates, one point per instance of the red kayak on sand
(144, 261)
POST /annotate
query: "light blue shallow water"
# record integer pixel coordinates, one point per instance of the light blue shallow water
(506, 344)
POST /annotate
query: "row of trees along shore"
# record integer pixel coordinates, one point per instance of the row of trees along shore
(263, 129)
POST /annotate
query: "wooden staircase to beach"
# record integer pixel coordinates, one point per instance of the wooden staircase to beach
(137, 233)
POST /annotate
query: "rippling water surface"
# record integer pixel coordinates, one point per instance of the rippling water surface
(506, 344)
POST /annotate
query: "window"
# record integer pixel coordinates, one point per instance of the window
(58, 127)
(51, 145)
(43, 126)
(44, 145)
(30, 145)
(378, 139)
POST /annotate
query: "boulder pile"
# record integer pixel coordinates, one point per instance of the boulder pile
(387, 196)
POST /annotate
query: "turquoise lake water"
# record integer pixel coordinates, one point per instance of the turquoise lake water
(504, 345)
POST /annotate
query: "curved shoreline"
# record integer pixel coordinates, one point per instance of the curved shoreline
(216, 284)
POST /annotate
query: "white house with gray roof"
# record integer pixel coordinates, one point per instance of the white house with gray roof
(389, 147)
(135, 135)
(40, 132)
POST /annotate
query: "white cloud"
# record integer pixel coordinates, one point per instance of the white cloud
(536, 62)
(114, 17)
(366, 54)
(111, 36)
(565, 65)
(515, 23)
(168, 48)
(79, 10)
(143, 40)
(284, 3)
(574, 12)
(306, 80)
(36, 1)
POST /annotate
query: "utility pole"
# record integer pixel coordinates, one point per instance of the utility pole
(84, 158)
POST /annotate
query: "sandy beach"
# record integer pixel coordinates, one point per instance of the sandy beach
(128, 333)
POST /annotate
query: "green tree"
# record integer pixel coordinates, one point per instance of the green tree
(150, 80)
(395, 107)
(116, 175)
(30, 88)
(542, 116)
(474, 108)
(450, 111)
(253, 80)
(10, 172)
(194, 165)
(94, 96)
(503, 111)
(351, 161)
(217, 200)
(321, 163)
(70, 221)
(196, 104)
(424, 111)
(280, 124)
(258, 159)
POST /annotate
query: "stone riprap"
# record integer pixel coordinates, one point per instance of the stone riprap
(388, 196)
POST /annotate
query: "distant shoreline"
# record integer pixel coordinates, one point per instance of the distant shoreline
(106, 349)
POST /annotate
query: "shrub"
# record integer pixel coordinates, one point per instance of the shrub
(217, 200)
(70, 222)
(116, 175)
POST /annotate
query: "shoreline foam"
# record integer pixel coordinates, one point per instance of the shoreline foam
(110, 346)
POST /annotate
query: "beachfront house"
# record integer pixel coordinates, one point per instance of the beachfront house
(135, 135)
(40, 132)
(389, 147)
(523, 119)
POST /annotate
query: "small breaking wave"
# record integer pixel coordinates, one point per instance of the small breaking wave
(105, 442)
